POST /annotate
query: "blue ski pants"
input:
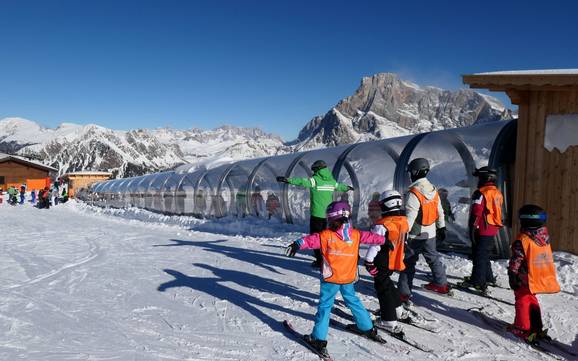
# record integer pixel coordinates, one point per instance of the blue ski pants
(326, 299)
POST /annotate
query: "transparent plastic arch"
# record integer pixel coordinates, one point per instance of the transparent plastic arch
(249, 188)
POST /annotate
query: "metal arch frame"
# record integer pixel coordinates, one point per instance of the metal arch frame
(401, 178)
(203, 175)
(251, 180)
(157, 175)
(180, 177)
(504, 236)
(145, 190)
(219, 212)
(285, 189)
(342, 161)
(128, 191)
(179, 183)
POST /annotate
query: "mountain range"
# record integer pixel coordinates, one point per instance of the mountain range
(383, 106)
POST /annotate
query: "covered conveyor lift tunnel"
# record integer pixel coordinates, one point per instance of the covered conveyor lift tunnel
(246, 188)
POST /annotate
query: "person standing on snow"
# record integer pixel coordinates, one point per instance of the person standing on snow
(374, 209)
(321, 187)
(426, 220)
(381, 261)
(339, 246)
(531, 271)
(484, 224)
(22, 193)
(258, 203)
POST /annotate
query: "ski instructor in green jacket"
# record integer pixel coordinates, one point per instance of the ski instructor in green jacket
(321, 187)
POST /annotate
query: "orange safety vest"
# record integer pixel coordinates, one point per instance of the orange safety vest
(541, 269)
(494, 202)
(429, 207)
(339, 256)
(397, 229)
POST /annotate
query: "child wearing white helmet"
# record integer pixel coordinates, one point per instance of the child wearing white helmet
(382, 261)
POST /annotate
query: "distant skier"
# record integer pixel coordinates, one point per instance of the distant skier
(531, 271)
(339, 245)
(321, 187)
(258, 203)
(374, 208)
(484, 224)
(33, 197)
(64, 195)
(12, 195)
(446, 205)
(22, 193)
(273, 205)
(381, 261)
(425, 217)
(55, 194)
(1, 196)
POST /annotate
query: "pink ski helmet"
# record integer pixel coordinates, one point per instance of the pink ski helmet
(338, 210)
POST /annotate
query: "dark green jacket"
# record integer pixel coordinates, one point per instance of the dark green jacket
(321, 187)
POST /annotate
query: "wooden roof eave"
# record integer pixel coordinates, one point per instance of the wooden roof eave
(522, 81)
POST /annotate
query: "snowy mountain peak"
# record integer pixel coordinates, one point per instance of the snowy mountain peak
(385, 106)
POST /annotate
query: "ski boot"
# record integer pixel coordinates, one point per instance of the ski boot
(373, 335)
(405, 301)
(392, 327)
(443, 289)
(543, 335)
(319, 345)
(469, 285)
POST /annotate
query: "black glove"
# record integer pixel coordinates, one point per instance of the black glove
(371, 268)
(389, 245)
(292, 249)
(514, 281)
(350, 188)
(282, 180)
(441, 234)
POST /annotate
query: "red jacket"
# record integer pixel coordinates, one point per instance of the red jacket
(478, 216)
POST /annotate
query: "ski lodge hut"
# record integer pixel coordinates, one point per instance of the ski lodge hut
(79, 180)
(16, 171)
(545, 166)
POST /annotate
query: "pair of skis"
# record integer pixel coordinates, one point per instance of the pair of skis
(541, 345)
(299, 337)
(403, 338)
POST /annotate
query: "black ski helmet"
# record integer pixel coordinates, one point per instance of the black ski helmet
(418, 168)
(486, 174)
(532, 216)
(317, 165)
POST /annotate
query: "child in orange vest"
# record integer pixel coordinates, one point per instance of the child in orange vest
(484, 224)
(339, 245)
(381, 261)
(531, 271)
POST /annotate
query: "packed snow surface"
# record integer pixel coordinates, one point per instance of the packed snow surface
(82, 283)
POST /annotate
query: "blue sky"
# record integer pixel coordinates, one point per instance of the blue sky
(269, 64)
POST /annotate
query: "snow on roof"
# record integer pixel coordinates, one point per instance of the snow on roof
(7, 157)
(89, 173)
(533, 72)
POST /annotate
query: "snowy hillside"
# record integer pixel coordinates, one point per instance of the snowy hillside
(72, 147)
(133, 285)
(386, 106)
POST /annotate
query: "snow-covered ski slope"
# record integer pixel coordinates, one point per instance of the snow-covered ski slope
(81, 283)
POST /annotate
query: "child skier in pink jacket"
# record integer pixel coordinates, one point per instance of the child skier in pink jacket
(339, 245)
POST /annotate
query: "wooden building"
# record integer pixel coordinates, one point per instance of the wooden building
(79, 180)
(16, 171)
(546, 160)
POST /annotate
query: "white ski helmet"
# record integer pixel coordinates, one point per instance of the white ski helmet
(390, 201)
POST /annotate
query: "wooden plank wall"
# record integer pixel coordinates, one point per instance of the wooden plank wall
(548, 179)
(16, 173)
